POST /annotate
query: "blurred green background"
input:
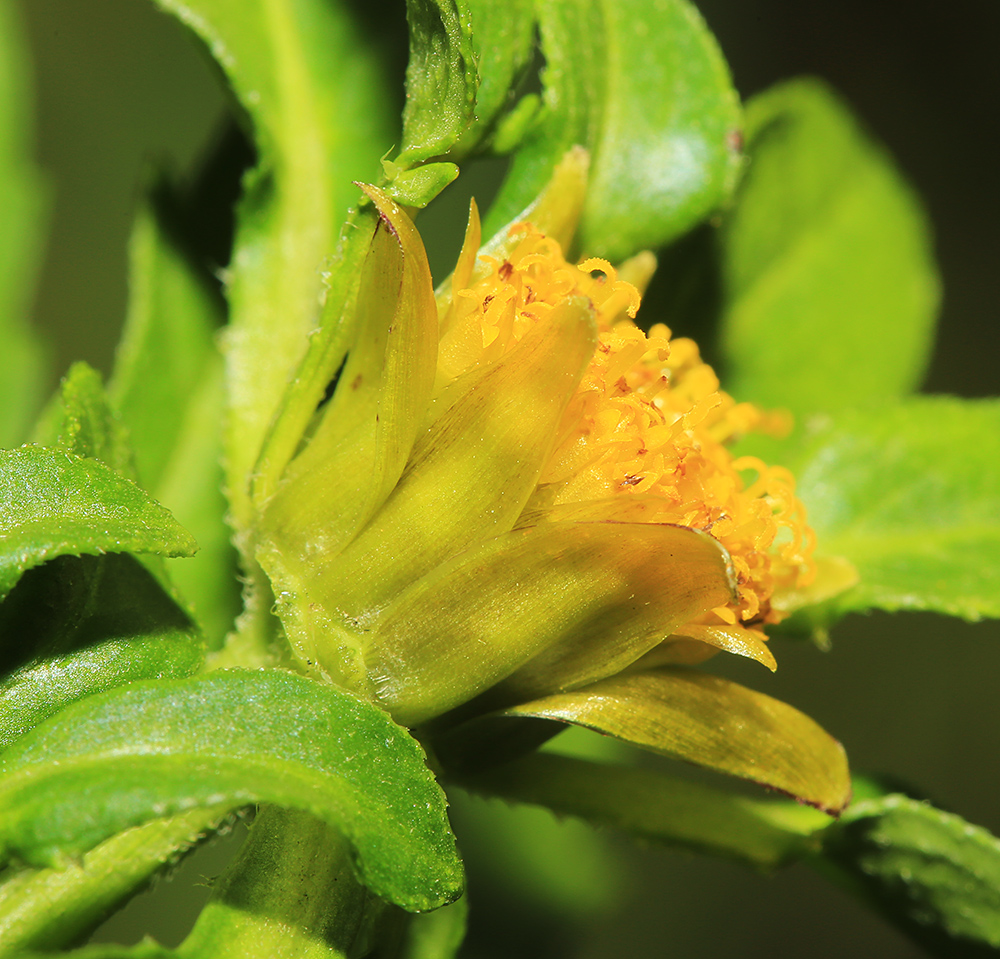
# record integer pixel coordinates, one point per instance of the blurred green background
(118, 86)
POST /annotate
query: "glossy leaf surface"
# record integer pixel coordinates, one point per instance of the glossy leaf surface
(81, 625)
(908, 494)
(710, 722)
(648, 93)
(53, 503)
(237, 737)
(932, 873)
(830, 288)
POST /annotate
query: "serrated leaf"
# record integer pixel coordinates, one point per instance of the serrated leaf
(319, 111)
(236, 737)
(932, 873)
(652, 806)
(830, 287)
(54, 503)
(711, 722)
(645, 89)
(908, 494)
(22, 205)
(81, 625)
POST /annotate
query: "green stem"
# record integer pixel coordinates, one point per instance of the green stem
(48, 908)
(291, 894)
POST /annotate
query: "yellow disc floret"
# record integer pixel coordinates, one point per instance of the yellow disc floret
(648, 419)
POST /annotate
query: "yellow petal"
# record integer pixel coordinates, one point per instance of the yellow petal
(733, 639)
(712, 722)
(560, 604)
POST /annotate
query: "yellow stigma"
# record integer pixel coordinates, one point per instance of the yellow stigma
(648, 425)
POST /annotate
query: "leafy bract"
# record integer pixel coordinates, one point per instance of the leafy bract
(648, 93)
(908, 494)
(319, 113)
(21, 209)
(655, 807)
(711, 722)
(829, 284)
(932, 873)
(54, 503)
(233, 737)
(80, 625)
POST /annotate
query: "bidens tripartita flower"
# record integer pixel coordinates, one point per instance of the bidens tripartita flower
(517, 499)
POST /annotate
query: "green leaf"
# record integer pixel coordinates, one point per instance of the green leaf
(237, 737)
(81, 625)
(655, 807)
(22, 206)
(49, 908)
(503, 36)
(908, 494)
(830, 286)
(711, 722)
(165, 348)
(645, 89)
(87, 424)
(168, 384)
(441, 79)
(932, 873)
(318, 105)
(54, 503)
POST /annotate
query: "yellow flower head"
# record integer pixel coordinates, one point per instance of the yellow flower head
(647, 423)
(518, 503)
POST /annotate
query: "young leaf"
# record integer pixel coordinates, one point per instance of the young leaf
(80, 625)
(233, 737)
(441, 79)
(49, 908)
(830, 286)
(21, 209)
(320, 117)
(908, 494)
(933, 874)
(654, 807)
(645, 89)
(54, 503)
(88, 426)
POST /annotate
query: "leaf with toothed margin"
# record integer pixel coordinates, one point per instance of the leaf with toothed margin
(152, 749)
